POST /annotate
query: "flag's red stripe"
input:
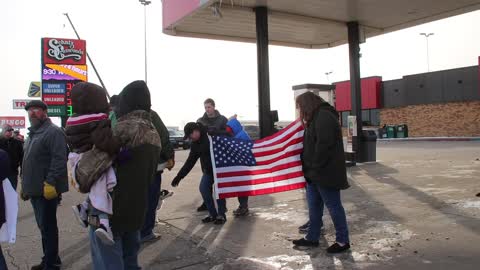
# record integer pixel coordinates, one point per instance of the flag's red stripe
(281, 149)
(286, 155)
(282, 140)
(278, 133)
(262, 191)
(257, 172)
(261, 180)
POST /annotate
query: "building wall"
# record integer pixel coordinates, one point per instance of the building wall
(455, 85)
(436, 120)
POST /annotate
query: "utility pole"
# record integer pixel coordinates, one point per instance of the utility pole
(88, 56)
(145, 3)
(428, 48)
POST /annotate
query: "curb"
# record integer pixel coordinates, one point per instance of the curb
(433, 139)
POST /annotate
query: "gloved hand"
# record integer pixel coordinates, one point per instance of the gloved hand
(176, 181)
(23, 196)
(170, 164)
(49, 191)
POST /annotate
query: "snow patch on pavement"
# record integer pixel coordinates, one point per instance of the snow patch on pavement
(295, 216)
(469, 204)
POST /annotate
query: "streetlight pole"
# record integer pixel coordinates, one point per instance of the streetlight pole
(428, 48)
(327, 74)
(145, 3)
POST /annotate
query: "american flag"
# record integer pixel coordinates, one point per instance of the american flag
(250, 168)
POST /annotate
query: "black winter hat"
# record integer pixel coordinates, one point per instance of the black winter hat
(135, 96)
(89, 98)
(189, 128)
(36, 103)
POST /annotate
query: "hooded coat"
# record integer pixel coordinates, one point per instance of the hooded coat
(323, 156)
(135, 172)
(237, 129)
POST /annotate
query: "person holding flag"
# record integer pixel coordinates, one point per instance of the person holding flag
(201, 150)
(324, 169)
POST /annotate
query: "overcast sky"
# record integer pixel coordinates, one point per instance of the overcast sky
(183, 72)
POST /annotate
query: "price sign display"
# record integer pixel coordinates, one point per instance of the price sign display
(63, 66)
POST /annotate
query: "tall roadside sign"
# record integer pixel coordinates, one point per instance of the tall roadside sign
(64, 63)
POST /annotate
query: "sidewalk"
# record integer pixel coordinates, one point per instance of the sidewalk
(414, 209)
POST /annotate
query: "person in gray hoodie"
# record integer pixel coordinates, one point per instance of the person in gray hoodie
(44, 170)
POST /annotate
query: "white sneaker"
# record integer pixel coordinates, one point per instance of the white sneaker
(105, 235)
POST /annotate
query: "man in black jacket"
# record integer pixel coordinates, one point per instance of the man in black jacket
(215, 124)
(212, 120)
(14, 148)
(201, 150)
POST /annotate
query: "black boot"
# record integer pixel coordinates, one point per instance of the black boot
(336, 248)
(305, 243)
(202, 208)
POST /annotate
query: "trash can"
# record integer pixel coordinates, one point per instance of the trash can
(368, 149)
(391, 131)
(402, 131)
(382, 132)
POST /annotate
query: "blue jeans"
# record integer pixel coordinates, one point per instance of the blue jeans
(13, 180)
(153, 198)
(206, 189)
(46, 217)
(123, 255)
(3, 263)
(317, 197)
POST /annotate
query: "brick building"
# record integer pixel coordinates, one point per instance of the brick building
(435, 104)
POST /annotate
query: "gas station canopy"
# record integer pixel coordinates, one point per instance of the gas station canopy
(303, 23)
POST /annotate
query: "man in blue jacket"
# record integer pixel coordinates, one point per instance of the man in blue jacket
(45, 178)
(235, 128)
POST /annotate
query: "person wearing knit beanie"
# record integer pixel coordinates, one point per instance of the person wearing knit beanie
(89, 98)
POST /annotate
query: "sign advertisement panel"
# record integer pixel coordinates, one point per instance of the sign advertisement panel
(63, 65)
(57, 110)
(52, 74)
(64, 51)
(55, 88)
(17, 122)
(35, 89)
(19, 104)
(76, 72)
(54, 99)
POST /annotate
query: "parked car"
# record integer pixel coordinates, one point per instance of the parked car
(252, 131)
(177, 140)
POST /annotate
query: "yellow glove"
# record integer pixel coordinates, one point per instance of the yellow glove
(49, 191)
(170, 164)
